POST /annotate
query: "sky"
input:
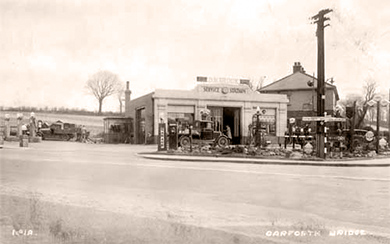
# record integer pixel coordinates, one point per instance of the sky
(49, 48)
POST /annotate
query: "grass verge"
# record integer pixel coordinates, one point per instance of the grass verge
(55, 223)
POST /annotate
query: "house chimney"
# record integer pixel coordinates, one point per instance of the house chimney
(127, 97)
(298, 67)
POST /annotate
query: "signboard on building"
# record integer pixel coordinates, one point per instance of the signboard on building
(224, 90)
(325, 119)
(384, 102)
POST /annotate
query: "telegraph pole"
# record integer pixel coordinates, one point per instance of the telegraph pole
(319, 19)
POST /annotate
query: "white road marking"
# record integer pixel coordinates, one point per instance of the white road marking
(258, 172)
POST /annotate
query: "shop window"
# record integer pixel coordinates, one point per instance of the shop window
(116, 128)
(217, 117)
(183, 120)
(268, 120)
(269, 124)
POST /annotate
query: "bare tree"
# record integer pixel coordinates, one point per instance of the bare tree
(370, 90)
(349, 99)
(257, 83)
(103, 84)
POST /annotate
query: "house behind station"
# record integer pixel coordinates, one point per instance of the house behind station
(302, 97)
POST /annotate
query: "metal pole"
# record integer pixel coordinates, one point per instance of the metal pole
(290, 132)
(353, 127)
(190, 131)
(258, 143)
(320, 88)
(377, 125)
(261, 134)
(388, 120)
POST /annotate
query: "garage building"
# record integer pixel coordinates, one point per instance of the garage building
(230, 104)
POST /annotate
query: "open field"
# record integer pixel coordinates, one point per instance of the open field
(94, 123)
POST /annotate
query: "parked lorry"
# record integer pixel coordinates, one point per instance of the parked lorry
(202, 131)
(58, 131)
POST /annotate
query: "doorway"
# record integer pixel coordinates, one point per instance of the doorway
(231, 118)
(140, 126)
(227, 116)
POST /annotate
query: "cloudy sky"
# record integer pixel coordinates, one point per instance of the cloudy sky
(49, 48)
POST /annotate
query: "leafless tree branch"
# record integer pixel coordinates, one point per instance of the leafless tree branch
(103, 84)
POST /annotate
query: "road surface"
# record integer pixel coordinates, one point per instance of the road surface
(244, 203)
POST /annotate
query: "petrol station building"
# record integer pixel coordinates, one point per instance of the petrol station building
(231, 104)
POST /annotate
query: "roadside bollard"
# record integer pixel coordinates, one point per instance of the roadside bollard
(293, 140)
(286, 139)
(23, 141)
(1, 140)
(24, 137)
(326, 143)
(7, 129)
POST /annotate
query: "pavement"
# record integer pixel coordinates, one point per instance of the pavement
(378, 161)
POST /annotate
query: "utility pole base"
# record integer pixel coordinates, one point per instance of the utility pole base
(320, 146)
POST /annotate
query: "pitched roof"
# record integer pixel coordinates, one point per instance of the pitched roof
(296, 81)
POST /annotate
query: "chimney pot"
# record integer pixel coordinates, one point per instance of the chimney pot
(297, 67)
(127, 85)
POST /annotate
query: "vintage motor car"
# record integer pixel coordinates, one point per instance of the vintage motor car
(202, 131)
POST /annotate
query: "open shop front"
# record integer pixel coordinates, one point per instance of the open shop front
(221, 117)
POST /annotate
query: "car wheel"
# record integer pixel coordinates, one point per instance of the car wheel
(64, 137)
(223, 141)
(185, 141)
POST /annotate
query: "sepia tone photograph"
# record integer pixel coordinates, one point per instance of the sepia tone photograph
(193, 121)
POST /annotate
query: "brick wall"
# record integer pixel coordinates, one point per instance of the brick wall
(130, 111)
(304, 102)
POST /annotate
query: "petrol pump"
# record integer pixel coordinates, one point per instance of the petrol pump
(173, 137)
(162, 144)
